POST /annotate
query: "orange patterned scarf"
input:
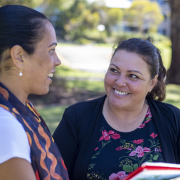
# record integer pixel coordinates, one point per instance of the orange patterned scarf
(46, 159)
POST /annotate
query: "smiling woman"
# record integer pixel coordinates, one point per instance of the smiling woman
(110, 137)
(27, 63)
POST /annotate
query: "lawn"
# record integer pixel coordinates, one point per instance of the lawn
(52, 115)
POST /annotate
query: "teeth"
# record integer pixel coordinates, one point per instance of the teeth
(50, 75)
(120, 92)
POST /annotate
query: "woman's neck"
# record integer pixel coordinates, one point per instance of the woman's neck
(14, 85)
(124, 119)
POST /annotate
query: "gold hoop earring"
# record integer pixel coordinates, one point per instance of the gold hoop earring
(20, 73)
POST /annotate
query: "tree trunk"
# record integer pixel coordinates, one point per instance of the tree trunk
(173, 74)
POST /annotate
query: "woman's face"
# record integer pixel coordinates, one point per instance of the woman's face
(127, 80)
(40, 66)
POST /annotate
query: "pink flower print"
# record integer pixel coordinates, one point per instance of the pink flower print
(105, 136)
(115, 136)
(96, 149)
(148, 114)
(139, 141)
(140, 151)
(146, 149)
(153, 135)
(157, 150)
(111, 132)
(119, 176)
(141, 126)
(119, 148)
(147, 121)
(133, 153)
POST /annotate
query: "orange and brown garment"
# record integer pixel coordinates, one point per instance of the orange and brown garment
(46, 159)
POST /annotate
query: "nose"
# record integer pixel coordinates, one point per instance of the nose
(57, 61)
(121, 80)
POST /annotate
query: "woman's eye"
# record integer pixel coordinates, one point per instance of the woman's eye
(51, 51)
(134, 76)
(113, 70)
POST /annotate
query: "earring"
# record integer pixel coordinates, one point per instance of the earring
(20, 73)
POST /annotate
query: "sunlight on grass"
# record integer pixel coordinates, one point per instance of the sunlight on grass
(97, 86)
(173, 95)
(64, 71)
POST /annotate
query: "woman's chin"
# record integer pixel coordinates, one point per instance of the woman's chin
(42, 91)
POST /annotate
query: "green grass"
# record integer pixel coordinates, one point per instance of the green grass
(173, 95)
(96, 86)
(53, 115)
(64, 71)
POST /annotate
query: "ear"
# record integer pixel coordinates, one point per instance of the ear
(153, 83)
(17, 53)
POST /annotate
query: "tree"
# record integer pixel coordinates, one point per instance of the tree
(28, 3)
(114, 16)
(80, 18)
(144, 14)
(173, 74)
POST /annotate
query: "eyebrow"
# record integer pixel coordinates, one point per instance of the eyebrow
(53, 44)
(129, 70)
(135, 71)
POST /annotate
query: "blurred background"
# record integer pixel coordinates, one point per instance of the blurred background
(87, 31)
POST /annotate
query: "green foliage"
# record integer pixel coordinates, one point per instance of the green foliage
(128, 168)
(28, 3)
(75, 20)
(135, 166)
(144, 12)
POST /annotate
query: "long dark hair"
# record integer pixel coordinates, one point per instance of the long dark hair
(151, 55)
(20, 25)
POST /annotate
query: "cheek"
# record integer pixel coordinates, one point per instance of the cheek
(140, 88)
(107, 81)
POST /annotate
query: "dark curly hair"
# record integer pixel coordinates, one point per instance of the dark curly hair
(151, 55)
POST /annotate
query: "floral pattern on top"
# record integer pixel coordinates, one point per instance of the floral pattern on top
(118, 153)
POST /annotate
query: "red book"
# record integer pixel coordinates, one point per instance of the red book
(155, 171)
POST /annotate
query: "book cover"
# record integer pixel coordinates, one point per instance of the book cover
(155, 171)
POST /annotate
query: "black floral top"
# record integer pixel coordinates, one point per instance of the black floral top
(119, 153)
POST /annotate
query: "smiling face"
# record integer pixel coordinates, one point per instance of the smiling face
(40, 66)
(127, 81)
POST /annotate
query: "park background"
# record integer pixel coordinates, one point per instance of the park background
(87, 31)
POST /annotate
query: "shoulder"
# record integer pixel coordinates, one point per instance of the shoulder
(166, 114)
(162, 106)
(13, 138)
(83, 113)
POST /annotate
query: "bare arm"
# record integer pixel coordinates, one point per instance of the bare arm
(17, 169)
